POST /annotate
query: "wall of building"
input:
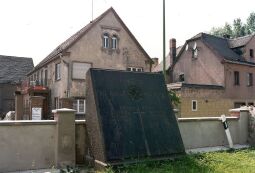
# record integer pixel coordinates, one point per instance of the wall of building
(210, 102)
(89, 49)
(209, 132)
(242, 92)
(246, 52)
(205, 69)
(28, 145)
(7, 98)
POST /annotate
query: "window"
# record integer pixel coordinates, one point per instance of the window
(236, 78)
(57, 71)
(80, 69)
(45, 77)
(249, 79)
(41, 82)
(56, 103)
(251, 53)
(194, 53)
(181, 77)
(135, 69)
(239, 104)
(106, 40)
(79, 106)
(194, 105)
(114, 42)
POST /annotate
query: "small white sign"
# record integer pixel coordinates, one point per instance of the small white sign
(36, 113)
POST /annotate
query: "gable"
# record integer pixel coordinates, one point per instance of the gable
(62, 48)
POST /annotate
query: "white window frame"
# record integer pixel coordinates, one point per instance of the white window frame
(114, 42)
(106, 40)
(56, 100)
(138, 69)
(249, 79)
(78, 106)
(193, 101)
(58, 71)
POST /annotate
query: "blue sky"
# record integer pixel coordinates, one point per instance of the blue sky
(33, 28)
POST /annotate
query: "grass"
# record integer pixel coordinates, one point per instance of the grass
(238, 161)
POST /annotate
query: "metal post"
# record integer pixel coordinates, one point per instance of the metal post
(164, 46)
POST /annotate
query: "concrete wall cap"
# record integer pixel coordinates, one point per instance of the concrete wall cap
(244, 108)
(63, 110)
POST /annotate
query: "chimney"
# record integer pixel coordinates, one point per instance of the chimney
(155, 62)
(172, 45)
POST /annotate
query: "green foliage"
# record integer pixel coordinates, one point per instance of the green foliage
(70, 169)
(236, 161)
(238, 28)
(175, 99)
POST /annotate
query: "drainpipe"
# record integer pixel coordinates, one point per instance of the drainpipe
(68, 75)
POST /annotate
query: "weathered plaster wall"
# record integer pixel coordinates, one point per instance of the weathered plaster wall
(205, 69)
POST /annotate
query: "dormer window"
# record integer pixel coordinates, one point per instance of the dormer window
(194, 53)
(106, 40)
(114, 42)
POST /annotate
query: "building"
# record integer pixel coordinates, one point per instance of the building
(12, 71)
(105, 42)
(212, 74)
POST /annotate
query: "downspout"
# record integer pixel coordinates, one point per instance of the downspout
(68, 76)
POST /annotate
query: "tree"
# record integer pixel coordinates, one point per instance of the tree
(251, 23)
(238, 28)
(222, 31)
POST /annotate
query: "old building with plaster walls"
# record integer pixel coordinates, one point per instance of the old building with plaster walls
(212, 74)
(105, 42)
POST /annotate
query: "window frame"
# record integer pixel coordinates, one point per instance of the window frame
(114, 42)
(77, 109)
(249, 79)
(236, 78)
(57, 71)
(251, 53)
(181, 77)
(192, 105)
(135, 69)
(106, 41)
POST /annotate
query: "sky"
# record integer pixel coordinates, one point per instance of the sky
(33, 28)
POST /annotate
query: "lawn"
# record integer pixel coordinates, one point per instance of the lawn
(238, 161)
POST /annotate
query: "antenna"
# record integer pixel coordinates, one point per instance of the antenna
(92, 8)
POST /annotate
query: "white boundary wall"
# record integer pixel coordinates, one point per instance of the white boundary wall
(209, 131)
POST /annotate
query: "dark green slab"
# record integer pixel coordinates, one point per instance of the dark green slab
(135, 115)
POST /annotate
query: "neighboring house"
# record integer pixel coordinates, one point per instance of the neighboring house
(12, 71)
(212, 74)
(105, 42)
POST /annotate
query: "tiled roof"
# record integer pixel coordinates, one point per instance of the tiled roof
(159, 67)
(240, 41)
(220, 45)
(70, 41)
(14, 69)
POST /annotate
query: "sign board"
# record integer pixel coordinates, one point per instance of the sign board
(80, 69)
(36, 113)
(129, 116)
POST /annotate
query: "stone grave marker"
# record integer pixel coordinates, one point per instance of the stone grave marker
(129, 117)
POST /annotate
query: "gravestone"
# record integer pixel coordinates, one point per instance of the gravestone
(128, 116)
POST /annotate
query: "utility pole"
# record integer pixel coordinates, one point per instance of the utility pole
(164, 42)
